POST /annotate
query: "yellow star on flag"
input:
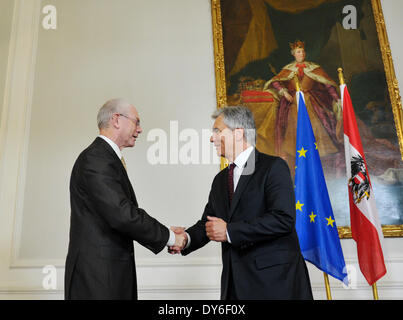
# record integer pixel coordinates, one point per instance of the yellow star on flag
(302, 152)
(330, 221)
(316, 146)
(298, 206)
(312, 216)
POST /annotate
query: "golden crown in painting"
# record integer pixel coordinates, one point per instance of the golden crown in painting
(297, 44)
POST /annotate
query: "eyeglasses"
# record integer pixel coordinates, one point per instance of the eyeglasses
(135, 121)
(216, 131)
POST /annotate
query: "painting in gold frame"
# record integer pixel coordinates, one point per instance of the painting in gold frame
(251, 39)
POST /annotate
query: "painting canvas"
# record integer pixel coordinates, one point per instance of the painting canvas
(260, 45)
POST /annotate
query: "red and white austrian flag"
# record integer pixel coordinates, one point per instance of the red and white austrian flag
(365, 226)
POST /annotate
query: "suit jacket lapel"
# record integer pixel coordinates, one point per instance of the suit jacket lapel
(247, 174)
(223, 189)
(126, 177)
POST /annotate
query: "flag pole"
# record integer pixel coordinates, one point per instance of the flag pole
(327, 286)
(375, 291)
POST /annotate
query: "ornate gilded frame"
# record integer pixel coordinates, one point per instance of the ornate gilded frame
(344, 232)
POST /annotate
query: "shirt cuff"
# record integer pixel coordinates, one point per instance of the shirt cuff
(171, 240)
(228, 238)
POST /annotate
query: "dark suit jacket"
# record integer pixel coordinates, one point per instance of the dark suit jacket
(264, 254)
(105, 219)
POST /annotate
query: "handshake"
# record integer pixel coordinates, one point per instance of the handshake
(181, 240)
(216, 230)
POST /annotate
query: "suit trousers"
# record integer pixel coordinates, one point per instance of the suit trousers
(231, 292)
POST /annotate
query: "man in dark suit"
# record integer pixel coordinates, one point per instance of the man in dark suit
(105, 216)
(251, 211)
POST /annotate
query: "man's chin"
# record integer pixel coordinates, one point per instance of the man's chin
(222, 154)
(130, 144)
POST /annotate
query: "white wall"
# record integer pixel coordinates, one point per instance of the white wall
(6, 15)
(158, 55)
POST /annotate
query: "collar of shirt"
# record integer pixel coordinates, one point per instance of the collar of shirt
(113, 145)
(241, 159)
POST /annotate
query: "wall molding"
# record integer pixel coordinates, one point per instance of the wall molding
(140, 262)
(387, 290)
(165, 262)
(16, 119)
(33, 33)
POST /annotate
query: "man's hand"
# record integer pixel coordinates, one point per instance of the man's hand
(181, 240)
(216, 229)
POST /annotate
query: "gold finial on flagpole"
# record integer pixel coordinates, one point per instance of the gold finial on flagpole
(341, 77)
(297, 86)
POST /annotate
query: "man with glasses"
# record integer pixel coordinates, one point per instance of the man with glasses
(105, 216)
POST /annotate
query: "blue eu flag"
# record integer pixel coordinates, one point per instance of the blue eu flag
(315, 223)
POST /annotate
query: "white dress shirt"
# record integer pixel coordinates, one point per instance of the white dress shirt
(113, 145)
(171, 240)
(240, 163)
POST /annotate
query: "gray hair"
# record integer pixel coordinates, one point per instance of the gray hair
(236, 117)
(109, 109)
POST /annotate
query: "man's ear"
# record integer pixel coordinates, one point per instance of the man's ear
(114, 122)
(239, 134)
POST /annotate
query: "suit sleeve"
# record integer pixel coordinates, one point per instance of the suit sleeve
(279, 216)
(103, 184)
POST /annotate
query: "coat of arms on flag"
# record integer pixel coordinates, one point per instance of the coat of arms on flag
(359, 181)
